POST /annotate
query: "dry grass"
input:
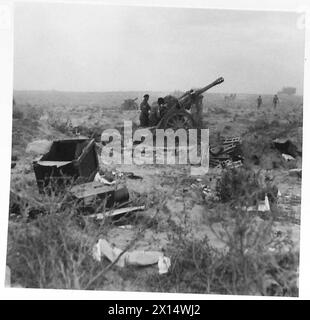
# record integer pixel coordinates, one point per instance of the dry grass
(54, 250)
(245, 265)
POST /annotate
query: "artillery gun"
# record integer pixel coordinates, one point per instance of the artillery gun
(180, 112)
(130, 104)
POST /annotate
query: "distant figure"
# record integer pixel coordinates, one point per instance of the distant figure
(162, 106)
(230, 98)
(144, 111)
(154, 113)
(259, 102)
(275, 101)
(196, 109)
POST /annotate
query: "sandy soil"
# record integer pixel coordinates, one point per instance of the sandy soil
(184, 202)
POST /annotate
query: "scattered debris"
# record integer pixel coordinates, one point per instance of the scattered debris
(66, 161)
(209, 194)
(108, 175)
(287, 157)
(99, 178)
(124, 258)
(229, 140)
(227, 154)
(103, 248)
(286, 146)
(232, 164)
(127, 227)
(129, 175)
(164, 264)
(116, 212)
(92, 194)
(263, 206)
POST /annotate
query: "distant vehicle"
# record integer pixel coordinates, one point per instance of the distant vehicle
(287, 90)
(231, 97)
(130, 104)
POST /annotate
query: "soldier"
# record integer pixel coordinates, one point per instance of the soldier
(275, 101)
(259, 102)
(154, 114)
(196, 108)
(144, 114)
(162, 107)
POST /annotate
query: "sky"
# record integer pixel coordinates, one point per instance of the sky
(76, 47)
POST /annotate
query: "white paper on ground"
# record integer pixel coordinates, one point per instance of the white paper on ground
(116, 212)
(100, 179)
(265, 206)
(287, 157)
(142, 258)
(135, 258)
(58, 164)
(103, 248)
(164, 264)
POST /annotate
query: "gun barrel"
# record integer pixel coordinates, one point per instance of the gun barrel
(209, 86)
(202, 90)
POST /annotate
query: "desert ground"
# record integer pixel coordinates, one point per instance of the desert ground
(214, 243)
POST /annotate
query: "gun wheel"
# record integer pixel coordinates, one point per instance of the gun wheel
(181, 120)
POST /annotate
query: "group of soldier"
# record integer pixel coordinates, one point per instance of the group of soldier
(275, 101)
(151, 115)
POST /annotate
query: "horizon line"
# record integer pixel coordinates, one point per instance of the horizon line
(147, 91)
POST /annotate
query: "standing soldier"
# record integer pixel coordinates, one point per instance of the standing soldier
(154, 114)
(196, 109)
(144, 113)
(275, 101)
(259, 102)
(162, 107)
